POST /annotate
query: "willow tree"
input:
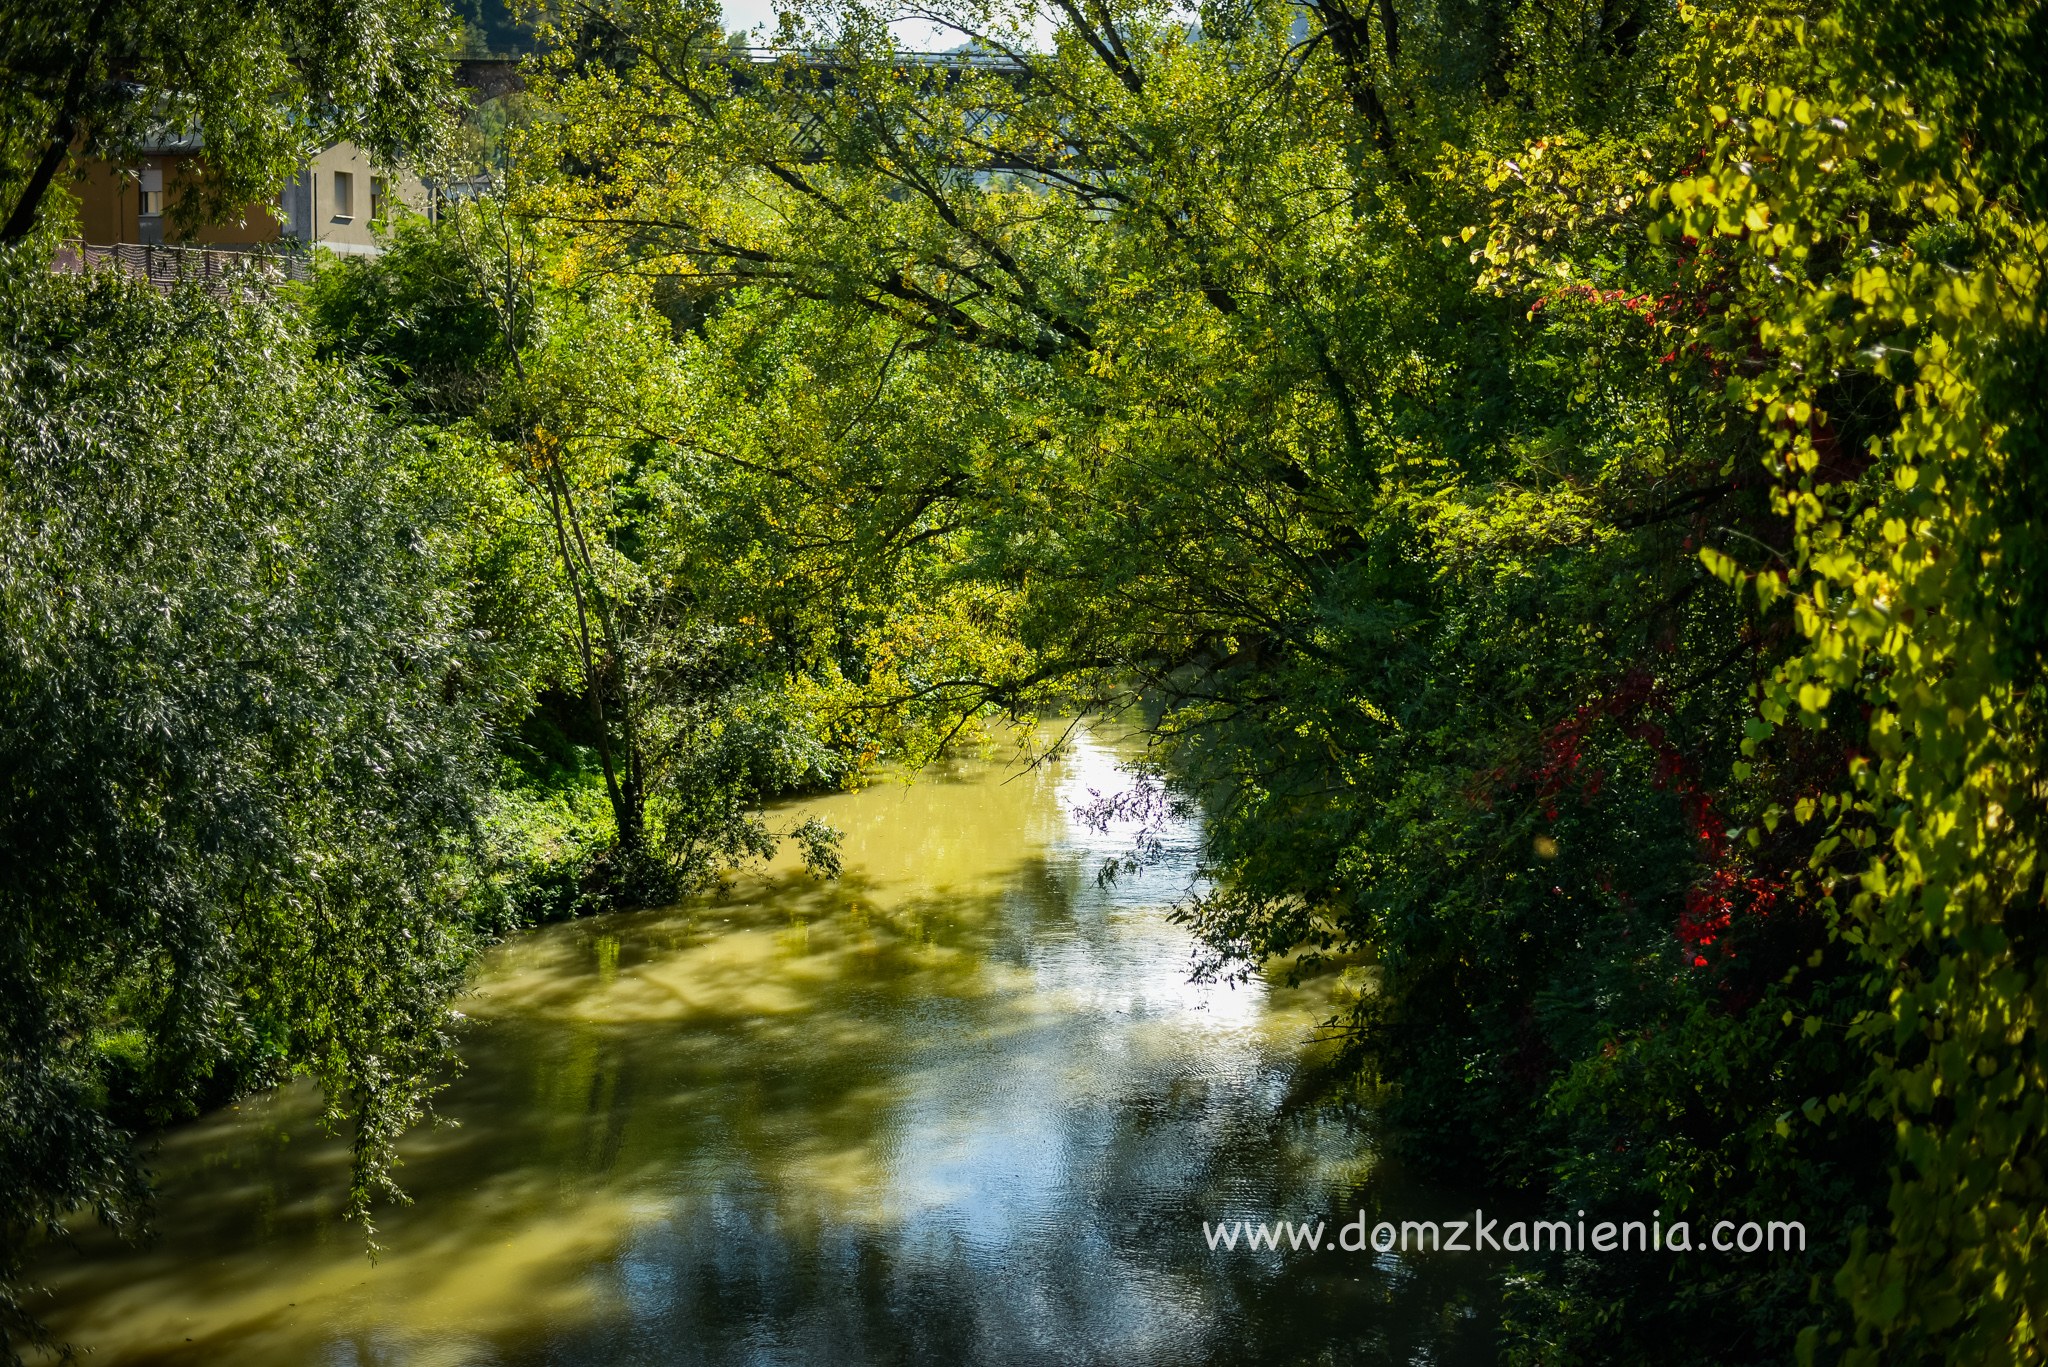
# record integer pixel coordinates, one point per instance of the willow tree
(244, 720)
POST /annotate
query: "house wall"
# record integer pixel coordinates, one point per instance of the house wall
(316, 212)
(109, 203)
(110, 209)
(106, 202)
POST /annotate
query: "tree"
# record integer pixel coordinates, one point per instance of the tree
(244, 711)
(583, 396)
(261, 84)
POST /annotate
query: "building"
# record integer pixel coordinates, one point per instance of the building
(333, 202)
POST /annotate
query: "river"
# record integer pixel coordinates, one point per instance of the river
(962, 1106)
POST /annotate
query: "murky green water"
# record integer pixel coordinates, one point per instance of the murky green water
(961, 1107)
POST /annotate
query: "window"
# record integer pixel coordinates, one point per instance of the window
(152, 197)
(377, 204)
(344, 194)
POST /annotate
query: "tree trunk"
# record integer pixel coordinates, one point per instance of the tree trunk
(629, 813)
(62, 130)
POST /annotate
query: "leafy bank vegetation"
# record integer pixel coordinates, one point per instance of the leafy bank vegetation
(1562, 482)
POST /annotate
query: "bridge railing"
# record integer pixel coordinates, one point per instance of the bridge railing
(965, 60)
(216, 269)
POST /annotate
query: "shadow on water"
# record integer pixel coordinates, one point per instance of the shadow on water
(961, 1106)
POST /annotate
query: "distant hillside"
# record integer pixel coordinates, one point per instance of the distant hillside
(494, 30)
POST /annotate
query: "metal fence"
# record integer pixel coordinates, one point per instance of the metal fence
(216, 269)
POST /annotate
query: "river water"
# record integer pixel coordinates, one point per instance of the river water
(962, 1106)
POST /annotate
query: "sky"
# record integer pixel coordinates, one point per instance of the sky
(914, 35)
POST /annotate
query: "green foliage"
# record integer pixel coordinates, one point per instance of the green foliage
(1893, 289)
(242, 705)
(415, 317)
(671, 615)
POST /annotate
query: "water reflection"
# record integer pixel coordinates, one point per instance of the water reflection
(962, 1106)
